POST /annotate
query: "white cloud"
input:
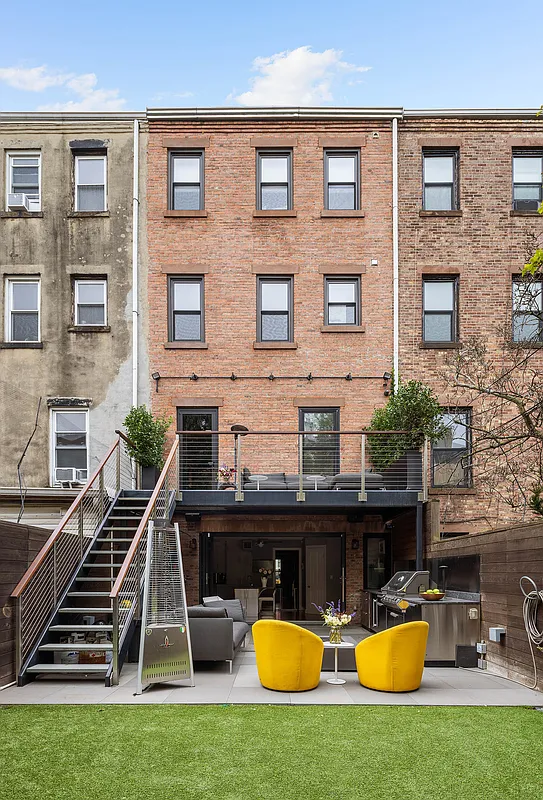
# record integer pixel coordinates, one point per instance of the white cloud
(296, 78)
(87, 96)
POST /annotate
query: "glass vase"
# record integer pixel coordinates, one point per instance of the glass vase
(335, 636)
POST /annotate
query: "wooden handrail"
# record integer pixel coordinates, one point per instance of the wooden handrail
(33, 568)
(126, 439)
(144, 520)
(292, 433)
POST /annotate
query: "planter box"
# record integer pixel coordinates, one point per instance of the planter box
(149, 477)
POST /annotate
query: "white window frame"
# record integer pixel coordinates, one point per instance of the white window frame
(52, 439)
(9, 172)
(78, 281)
(78, 159)
(9, 309)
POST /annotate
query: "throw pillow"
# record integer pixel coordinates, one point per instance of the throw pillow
(233, 608)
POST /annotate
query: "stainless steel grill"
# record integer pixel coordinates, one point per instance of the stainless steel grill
(404, 585)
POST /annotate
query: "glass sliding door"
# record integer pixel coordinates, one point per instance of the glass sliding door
(199, 453)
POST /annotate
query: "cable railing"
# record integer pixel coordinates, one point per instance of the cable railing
(304, 462)
(47, 578)
(126, 592)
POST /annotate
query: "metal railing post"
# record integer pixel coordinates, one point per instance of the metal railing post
(178, 492)
(423, 496)
(115, 638)
(300, 494)
(362, 494)
(54, 573)
(239, 477)
(18, 635)
(118, 468)
(102, 495)
(80, 529)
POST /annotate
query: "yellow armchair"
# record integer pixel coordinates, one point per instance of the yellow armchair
(393, 660)
(288, 658)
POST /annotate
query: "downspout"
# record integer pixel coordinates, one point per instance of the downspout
(395, 256)
(135, 282)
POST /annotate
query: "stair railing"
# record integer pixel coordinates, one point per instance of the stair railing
(126, 592)
(47, 578)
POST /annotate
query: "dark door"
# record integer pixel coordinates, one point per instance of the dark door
(321, 449)
(287, 578)
(199, 452)
(377, 560)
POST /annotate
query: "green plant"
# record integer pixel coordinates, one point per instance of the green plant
(413, 408)
(147, 435)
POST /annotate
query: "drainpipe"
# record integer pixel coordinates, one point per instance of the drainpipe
(135, 283)
(395, 256)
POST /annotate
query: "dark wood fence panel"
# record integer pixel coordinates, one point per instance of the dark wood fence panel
(19, 545)
(506, 554)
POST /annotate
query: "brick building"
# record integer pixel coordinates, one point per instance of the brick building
(271, 307)
(469, 188)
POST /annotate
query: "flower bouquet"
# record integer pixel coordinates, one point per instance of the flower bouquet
(227, 475)
(335, 619)
(264, 574)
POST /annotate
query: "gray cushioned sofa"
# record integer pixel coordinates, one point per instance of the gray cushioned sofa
(344, 480)
(213, 635)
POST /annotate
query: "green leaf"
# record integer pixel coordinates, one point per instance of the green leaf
(147, 435)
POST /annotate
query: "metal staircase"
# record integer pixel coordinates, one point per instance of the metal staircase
(79, 601)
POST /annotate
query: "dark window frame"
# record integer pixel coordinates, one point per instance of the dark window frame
(172, 281)
(455, 451)
(335, 151)
(180, 153)
(188, 452)
(264, 279)
(329, 279)
(455, 279)
(322, 410)
(514, 314)
(526, 152)
(274, 153)
(443, 152)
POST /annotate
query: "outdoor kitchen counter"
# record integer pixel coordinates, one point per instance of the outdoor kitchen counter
(420, 601)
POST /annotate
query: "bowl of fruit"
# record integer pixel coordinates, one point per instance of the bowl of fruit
(433, 594)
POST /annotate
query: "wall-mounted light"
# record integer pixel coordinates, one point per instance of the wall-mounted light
(156, 377)
(386, 377)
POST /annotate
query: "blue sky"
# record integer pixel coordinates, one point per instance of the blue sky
(129, 55)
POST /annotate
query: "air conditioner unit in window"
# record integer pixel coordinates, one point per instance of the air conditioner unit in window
(71, 476)
(18, 202)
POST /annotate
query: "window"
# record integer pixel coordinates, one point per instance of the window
(274, 181)
(186, 309)
(342, 301)
(440, 180)
(527, 180)
(320, 450)
(90, 183)
(527, 311)
(341, 179)
(187, 180)
(24, 177)
(450, 455)
(274, 310)
(90, 302)
(439, 309)
(69, 435)
(23, 311)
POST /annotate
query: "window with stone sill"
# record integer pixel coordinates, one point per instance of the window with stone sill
(186, 309)
(274, 180)
(527, 179)
(186, 180)
(22, 310)
(440, 309)
(451, 454)
(440, 179)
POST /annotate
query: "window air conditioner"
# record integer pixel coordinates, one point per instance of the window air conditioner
(18, 202)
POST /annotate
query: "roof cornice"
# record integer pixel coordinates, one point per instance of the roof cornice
(470, 113)
(271, 112)
(56, 117)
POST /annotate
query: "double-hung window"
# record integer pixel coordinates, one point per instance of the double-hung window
(24, 178)
(341, 180)
(274, 310)
(22, 310)
(320, 449)
(186, 298)
(90, 302)
(451, 453)
(440, 168)
(440, 309)
(90, 183)
(69, 445)
(527, 179)
(527, 311)
(342, 301)
(274, 180)
(186, 180)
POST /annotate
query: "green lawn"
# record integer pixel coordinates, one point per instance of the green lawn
(271, 752)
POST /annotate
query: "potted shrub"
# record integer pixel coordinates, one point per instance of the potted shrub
(147, 435)
(414, 408)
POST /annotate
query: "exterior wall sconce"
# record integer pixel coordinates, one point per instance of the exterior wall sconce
(156, 377)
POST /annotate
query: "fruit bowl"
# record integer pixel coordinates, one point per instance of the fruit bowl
(432, 595)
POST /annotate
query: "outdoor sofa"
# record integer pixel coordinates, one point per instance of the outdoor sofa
(214, 635)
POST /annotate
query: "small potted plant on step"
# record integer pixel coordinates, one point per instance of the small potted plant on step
(147, 435)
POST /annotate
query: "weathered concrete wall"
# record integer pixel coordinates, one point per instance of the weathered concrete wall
(59, 245)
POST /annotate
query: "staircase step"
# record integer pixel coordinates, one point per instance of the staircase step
(117, 519)
(38, 668)
(128, 508)
(120, 528)
(100, 552)
(96, 564)
(88, 610)
(94, 580)
(87, 594)
(113, 541)
(82, 628)
(75, 647)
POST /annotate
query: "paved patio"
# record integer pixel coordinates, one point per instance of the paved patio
(214, 684)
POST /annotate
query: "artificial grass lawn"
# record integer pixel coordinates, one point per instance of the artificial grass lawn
(272, 752)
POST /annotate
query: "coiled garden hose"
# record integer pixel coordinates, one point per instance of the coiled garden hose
(530, 607)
